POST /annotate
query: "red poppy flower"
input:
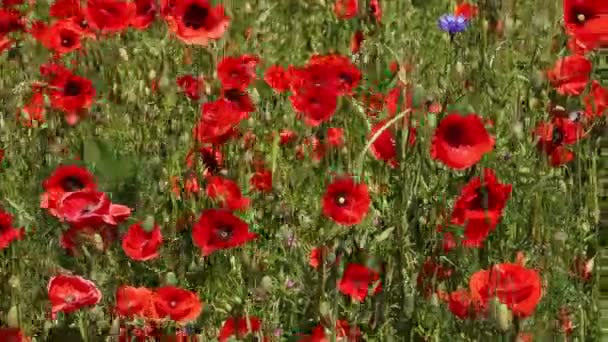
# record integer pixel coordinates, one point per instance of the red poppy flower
(218, 122)
(10, 21)
(335, 137)
(145, 13)
(141, 245)
(570, 75)
(190, 86)
(346, 9)
(240, 99)
(134, 302)
(344, 332)
(210, 158)
(375, 9)
(317, 104)
(195, 22)
(459, 303)
(356, 41)
(177, 304)
(466, 10)
(346, 202)
(69, 93)
(239, 327)
(596, 102)
(109, 16)
(459, 142)
(479, 207)
(62, 37)
(316, 257)
(13, 335)
(287, 136)
(227, 192)
(315, 74)
(66, 9)
(90, 209)
(587, 21)
(65, 178)
(34, 110)
(5, 43)
(277, 78)
(582, 268)
(220, 229)
(555, 136)
(577, 47)
(237, 72)
(339, 69)
(514, 285)
(8, 233)
(261, 181)
(356, 281)
(384, 146)
(69, 293)
(430, 275)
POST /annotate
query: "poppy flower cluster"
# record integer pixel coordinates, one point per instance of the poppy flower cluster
(221, 216)
(512, 284)
(71, 195)
(316, 86)
(155, 305)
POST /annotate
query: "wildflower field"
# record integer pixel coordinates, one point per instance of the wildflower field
(300, 170)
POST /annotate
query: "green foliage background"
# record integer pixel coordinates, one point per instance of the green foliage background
(136, 139)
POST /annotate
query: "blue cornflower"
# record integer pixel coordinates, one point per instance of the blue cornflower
(453, 24)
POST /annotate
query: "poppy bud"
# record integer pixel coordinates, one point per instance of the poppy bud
(267, 283)
(171, 279)
(115, 327)
(325, 310)
(501, 314)
(434, 300)
(12, 317)
(14, 282)
(459, 68)
(148, 224)
(410, 302)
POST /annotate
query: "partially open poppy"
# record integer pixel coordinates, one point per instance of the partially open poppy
(69, 293)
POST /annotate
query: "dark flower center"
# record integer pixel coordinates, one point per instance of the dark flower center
(72, 183)
(557, 137)
(482, 200)
(233, 95)
(195, 16)
(145, 9)
(456, 135)
(67, 39)
(346, 77)
(224, 233)
(71, 88)
(341, 200)
(579, 15)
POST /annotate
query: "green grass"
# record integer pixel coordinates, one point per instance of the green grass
(152, 130)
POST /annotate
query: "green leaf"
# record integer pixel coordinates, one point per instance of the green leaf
(91, 152)
(384, 235)
(418, 96)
